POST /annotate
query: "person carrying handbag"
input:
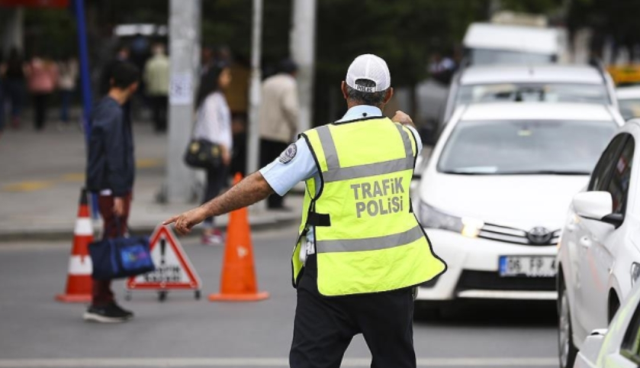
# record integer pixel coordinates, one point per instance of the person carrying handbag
(110, 174)
(213, 124)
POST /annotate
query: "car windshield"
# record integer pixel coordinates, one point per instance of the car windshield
(489, 57)
(545, 92)
(522, 147)
(629, 108)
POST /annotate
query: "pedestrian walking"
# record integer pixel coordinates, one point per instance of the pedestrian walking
(67, 81)
(213, 123)
(42, 77)
(110, 174)
(156, 77)
(360, 252)
(15, 85)
(278, 118)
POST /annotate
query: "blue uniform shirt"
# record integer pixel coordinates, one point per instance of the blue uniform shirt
(284, 176)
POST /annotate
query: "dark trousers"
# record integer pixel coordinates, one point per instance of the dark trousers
(324, 326)
(269, 151)
(15, 95)
(216, 181)
(66, 96)
(159, 108)
(102, 293)
(40, 107)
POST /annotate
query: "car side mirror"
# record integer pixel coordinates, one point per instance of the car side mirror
(597, 206)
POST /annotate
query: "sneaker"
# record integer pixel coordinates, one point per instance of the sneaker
(213, 239)
(104, 314)
(119, 310)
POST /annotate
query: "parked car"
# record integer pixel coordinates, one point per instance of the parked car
(493, 196)
(619, 345)
(629, 101)
(599, 254)
(487, 43)
(544, 83)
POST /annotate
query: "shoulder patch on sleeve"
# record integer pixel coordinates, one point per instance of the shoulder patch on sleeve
(288, 154)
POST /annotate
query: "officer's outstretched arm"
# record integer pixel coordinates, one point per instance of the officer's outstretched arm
(252, 189)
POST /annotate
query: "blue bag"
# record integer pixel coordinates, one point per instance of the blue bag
(120, 257)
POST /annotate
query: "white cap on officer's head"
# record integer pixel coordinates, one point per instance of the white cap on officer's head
(371, 68)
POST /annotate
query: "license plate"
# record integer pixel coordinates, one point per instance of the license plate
(529, 266)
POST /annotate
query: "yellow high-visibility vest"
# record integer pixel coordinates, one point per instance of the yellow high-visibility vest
(367, 238)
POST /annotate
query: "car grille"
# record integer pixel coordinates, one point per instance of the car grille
(513, 235)
(483, 280)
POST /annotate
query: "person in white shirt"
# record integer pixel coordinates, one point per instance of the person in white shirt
(213, 123)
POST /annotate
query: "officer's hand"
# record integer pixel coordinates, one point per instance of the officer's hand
(187, 220)
(402, 118)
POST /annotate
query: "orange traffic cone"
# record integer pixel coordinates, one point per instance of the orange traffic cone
(79, 277)
(238, 281)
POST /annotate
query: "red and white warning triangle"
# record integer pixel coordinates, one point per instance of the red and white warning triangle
(173, 268)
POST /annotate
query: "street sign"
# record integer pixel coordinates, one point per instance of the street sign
(173, 271)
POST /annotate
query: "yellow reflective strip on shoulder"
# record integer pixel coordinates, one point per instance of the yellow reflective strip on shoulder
(412, 138)
(329, 147)
(362, 244)
(316, 147)
(406, 141)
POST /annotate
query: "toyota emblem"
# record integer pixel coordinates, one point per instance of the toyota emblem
(539, 235)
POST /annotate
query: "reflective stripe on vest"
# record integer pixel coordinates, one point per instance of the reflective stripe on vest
(381, 242)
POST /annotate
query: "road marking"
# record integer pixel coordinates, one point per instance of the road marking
(74, 177)
(263, 362)
(27, 186)
(147, 163)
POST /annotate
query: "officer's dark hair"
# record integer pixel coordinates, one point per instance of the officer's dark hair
(366, 98)
(124, 74)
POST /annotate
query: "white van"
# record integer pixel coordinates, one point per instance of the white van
(487, 43)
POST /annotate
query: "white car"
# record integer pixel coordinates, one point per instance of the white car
(543, 83)
(629, 101)
(495, 191)
(488, 43)
(619, 346)
(599, 254)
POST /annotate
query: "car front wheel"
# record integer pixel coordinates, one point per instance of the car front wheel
(566, 347)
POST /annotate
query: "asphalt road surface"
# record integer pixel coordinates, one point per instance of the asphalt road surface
(36, 331)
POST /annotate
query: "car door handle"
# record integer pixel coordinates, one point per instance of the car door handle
(585, 241)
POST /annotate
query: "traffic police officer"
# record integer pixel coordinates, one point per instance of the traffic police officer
(360, 250)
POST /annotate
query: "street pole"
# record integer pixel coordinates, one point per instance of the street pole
(302, 50)
(85, 83)
(254, 94)
(184, 43)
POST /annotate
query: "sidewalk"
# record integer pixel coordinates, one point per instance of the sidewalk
(41, 175)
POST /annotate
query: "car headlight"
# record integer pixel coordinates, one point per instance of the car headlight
(435, 219)
(635, 272)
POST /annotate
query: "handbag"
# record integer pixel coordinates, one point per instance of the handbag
(120, 257)
(203, 154)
